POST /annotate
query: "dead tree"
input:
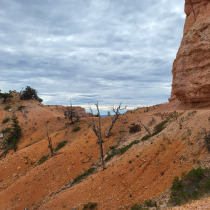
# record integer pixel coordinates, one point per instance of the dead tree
(72, 114)
(21, 108)
(97, 130)
(207, 139)
(50, 143)
(145, 127)
(114, 119)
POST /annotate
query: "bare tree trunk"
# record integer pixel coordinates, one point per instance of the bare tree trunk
(23, 113)
(72, 114)
(50, 143)
(100, 140)
(97, 131)
(145, 127)
(111, 126)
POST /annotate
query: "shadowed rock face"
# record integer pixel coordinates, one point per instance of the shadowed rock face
(191, 68)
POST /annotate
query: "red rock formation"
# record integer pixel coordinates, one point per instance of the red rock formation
(81, 111)
(191, 68)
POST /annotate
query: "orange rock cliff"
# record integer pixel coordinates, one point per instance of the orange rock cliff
(191, 68)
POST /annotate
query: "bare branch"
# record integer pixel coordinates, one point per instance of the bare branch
(21, 108)
(88, 160)
(92, 121)
(144, 127)
(114, 119)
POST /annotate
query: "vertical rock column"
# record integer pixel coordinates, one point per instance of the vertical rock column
(191, 68)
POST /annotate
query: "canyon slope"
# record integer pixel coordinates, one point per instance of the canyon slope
(144, 171)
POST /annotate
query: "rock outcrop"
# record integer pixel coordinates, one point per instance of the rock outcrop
(191, 68)
(81, 111)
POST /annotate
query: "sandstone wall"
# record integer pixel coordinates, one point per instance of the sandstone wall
(191, 68)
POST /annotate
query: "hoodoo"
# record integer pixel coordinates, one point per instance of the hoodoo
(191, 68)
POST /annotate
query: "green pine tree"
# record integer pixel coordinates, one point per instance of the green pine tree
(5, 96)
(13, 138)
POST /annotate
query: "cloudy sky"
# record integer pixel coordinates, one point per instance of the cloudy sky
(109, 51)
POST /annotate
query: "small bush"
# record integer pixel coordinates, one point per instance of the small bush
(138, 207)
(190, 186)
(145, 205)
(120, 150)
(90, 206)
(12, 139)
(30, 93)
(43, 159)
(5, 96)
(145, 137)
(125, 148)
(4, 153)
(76, 129)
(152, 121)
(135, 128)
(65, 114)
(111, 155)
(5, 120)
(150, 203)
(191, 113)
(7, 107)
(83, 175)
(6, 130)
(159, 127)
(58, 118)
(60, 145)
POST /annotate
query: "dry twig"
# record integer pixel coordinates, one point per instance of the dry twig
(145, 127)
(88, 160)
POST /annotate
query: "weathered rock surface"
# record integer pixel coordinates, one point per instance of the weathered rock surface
(81, 111)
(191, 68)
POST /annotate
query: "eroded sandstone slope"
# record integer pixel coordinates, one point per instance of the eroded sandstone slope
(144, 171)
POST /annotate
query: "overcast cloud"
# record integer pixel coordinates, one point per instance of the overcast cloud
(90, 50)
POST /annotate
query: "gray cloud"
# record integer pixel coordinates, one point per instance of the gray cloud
(90, 50)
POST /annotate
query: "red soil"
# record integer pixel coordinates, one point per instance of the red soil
(145, 171)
